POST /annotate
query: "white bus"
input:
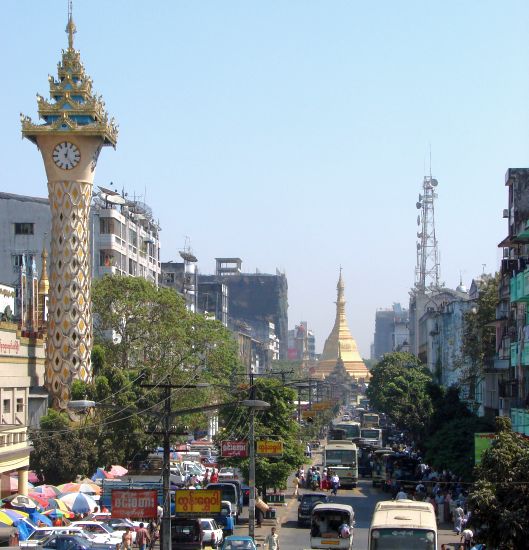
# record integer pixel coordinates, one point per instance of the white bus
(341, 457)
(402, 525)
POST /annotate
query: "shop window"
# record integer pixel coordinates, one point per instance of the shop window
(20, 404)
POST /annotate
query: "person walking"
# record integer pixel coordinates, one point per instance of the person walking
(142, 537)
(295, 483)
(271, 541)
(152, 528)
(335, 483)
(466, 538)
(459, 513)
(126, 540)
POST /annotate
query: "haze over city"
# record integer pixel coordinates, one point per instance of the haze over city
(295, 135)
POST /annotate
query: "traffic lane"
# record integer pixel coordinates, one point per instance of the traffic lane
(363, 500)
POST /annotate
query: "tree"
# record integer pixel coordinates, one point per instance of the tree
(479, 333)
(451, 447)
(499, 499)
(277, 422)
(399, 387)
(60, 453)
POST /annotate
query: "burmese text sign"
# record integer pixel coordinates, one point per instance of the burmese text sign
(234, 449)
(267, 447)
(197, 502)
(134, 503)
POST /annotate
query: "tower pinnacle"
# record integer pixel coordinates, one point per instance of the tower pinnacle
(70, 27)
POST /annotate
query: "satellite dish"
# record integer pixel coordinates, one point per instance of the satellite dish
(111, 196)
(188, 256)
(418, 205)
(418, 220)
(418, 246)
(434, 183)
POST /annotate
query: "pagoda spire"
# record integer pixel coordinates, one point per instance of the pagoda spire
(70, 27)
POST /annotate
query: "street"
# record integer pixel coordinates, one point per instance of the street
(362, 499)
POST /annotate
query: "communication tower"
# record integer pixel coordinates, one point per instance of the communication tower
(427, 272)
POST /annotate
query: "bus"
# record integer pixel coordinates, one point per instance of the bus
(403, 524)
(351, 429)
(370, 420)
(341, 458)
(371, 437)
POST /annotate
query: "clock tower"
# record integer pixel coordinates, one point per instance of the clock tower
(75, 128)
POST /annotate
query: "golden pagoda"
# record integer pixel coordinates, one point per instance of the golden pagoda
(341, 345)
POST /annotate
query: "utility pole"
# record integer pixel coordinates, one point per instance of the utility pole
(251, 473)
(166, 519)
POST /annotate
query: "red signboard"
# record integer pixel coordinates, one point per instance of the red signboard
(234, 448)
(134, 503)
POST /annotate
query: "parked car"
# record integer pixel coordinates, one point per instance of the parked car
(237, 542)
(186, 533)
(120, 525)
(101, 532)
(212, 534)
(72, 542)
(39, 534)
(307, 501)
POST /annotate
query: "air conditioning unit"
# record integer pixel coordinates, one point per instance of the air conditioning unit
(505, 212)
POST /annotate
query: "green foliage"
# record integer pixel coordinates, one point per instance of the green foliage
(60, 453)
(399, 387)
(479, 332)
(451, 447)
(500, 498)
(277, 422)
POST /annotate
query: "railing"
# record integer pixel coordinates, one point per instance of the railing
(13, 438)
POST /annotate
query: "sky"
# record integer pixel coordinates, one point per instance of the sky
(294, 134)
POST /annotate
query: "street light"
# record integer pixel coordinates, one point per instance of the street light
(253, 405)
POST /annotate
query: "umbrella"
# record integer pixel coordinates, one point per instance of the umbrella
(69, 488)
(48, 491)
(56, 513)
(89, 488)
(57, 504)
(33, 477)
(118, 471)
(35, 517)
(101, 474)
(41, 500)
(22, 501)
(8, 517)
(79, 502)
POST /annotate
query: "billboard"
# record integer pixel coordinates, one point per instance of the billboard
(134, 503)
(266, 447)
(237, 449)
(482, 441)
(197, 502)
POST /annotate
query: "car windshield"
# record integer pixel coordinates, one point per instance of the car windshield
(239, 545)
(314, 498)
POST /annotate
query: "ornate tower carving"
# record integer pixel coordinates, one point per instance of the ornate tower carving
(76, 127)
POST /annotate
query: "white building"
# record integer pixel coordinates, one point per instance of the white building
(125, 237)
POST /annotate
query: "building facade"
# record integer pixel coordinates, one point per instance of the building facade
(391, 331)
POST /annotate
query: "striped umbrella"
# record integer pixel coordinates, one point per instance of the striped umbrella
(8, 517)
(42, 501)
(57, 504)
(48, 491)
(69, 488)
(23, 501)
(79, 502)
(57, 513)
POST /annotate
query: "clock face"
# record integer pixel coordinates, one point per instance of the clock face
(66, 155)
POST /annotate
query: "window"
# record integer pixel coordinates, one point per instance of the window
(20, 404)
(7, 406)
(17, 260)
(106, 226)
(23, 228)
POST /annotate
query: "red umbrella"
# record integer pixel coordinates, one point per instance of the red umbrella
(43, 501)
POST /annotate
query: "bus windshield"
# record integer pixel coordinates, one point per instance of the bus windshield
(402, 539)
(344, 457)
(351, 430)
(368, 433)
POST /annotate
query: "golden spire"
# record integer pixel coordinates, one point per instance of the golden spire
(70, 27)
(44, 283)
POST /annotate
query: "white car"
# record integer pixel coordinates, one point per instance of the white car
(213, 535)
(40, 533)
(101, 532)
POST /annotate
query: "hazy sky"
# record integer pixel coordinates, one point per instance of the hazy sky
(294, 134)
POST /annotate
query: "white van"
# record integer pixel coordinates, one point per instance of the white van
(403, 524)
(332, 526)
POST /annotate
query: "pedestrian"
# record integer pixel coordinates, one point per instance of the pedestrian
(214, 476)
(458, 519)
(152, 528)
(126, 540)
(142, 537)
(295, 483)
(466, 538)
(271, 541)
(335, 483)
(401, 495)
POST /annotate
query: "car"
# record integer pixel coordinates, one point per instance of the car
(101, 532)
(120, 525)
(186, 533)
(58, 541)
(307, 501)
(212, 533)
(238, 542)
(39, 534)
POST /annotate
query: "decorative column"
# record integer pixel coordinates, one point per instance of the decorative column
(76, 127)
(23, 481)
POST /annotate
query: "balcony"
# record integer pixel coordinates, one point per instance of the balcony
(523, 235)
(519, 287)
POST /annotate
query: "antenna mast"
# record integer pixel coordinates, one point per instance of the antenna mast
(427, 272)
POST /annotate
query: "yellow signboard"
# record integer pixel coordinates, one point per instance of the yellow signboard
(267, 447)
(197, 502)
(320, 406)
